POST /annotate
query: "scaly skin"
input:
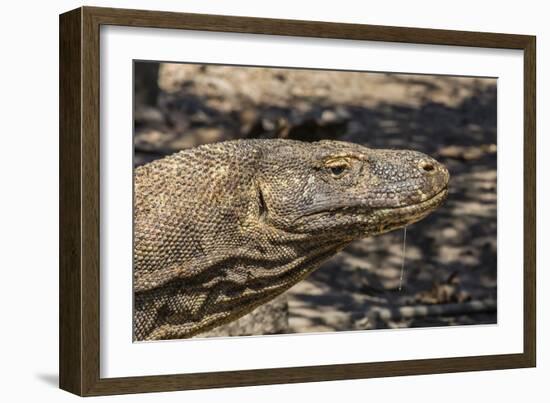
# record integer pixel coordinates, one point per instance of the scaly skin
(221, 229)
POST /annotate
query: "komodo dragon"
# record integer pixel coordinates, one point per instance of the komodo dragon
(221, 229)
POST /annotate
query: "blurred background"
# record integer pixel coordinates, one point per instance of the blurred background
(450, 272)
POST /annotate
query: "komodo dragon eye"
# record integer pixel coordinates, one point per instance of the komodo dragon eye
(338, 167)
(337, 170)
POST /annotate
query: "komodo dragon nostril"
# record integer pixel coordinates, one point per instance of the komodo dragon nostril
(427, 166)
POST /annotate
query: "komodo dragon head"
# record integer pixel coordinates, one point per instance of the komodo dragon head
(223, 228)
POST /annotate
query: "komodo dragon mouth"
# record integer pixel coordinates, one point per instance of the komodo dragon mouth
(397, 217)
(222, 229)
(392, 217)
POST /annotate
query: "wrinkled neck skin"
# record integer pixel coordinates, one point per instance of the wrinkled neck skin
(287, 262)
(272, 255)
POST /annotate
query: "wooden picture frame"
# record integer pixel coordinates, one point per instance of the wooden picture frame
(80, 187)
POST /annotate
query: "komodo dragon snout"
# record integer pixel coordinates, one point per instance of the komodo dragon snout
(223, 228)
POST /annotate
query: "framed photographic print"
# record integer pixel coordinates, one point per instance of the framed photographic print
(249, 201)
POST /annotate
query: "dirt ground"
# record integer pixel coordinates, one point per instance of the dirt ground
(450, 275)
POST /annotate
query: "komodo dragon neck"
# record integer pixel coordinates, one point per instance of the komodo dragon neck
(223, 228)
